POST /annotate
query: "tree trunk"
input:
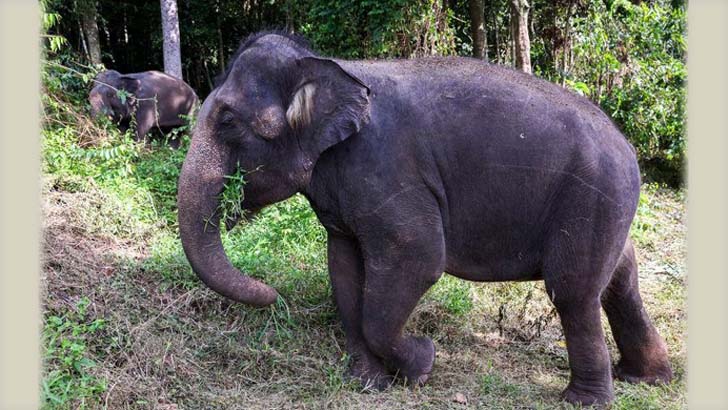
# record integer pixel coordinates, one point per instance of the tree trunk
(496, 29)
(91, 31)
(521, 42)
(82, 39)
(220, 45)
(567, 43)
(171, 45)
(477, 27)
(485, 32)
(210, 83)
(290, 27)
(220, 50)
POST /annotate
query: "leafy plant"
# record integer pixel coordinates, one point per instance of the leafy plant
(392, 28)
(631, 59)
(231, 199)
(70, 381)
(49, 20)
(454, 295)
(157, 171)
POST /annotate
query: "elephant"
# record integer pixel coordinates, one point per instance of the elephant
(155, 99)
(421, 167)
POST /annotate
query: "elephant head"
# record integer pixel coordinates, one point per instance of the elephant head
(277, 109)
(104, 98)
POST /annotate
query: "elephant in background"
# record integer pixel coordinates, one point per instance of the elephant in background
(155, 99)
(423, 166)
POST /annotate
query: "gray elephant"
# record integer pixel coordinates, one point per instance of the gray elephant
(155, 99)
(424, 166)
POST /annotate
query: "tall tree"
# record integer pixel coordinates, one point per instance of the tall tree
(170, 30)
(220, 44)
(477, 28)
(87, 10)
(519, 33)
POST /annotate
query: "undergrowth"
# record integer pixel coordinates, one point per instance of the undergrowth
(69, 378)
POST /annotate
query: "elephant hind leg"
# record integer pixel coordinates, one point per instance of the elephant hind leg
(643, 352)
(591, 379)
(575, 273)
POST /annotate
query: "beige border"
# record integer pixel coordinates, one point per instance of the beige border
(707, 206)
(19, 205)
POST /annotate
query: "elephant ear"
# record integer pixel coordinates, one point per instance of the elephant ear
(328, 105)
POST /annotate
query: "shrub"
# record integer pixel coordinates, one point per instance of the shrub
(630, 60)
(392, 28)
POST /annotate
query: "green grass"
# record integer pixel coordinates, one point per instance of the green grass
(69, 377)
(128, 325)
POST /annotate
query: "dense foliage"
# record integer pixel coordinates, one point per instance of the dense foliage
(632, 63)
(629, 57)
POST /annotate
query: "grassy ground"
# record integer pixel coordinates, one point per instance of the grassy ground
(126, 324)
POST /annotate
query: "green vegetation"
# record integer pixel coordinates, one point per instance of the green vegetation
(633, 60)
(628, 57)
(127, 324)
(65, 339)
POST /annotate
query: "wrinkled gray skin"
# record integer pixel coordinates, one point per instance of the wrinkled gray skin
(173, 98)
(416, 167)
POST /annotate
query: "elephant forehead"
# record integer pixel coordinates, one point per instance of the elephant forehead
(108, 75)
(103, 89)
(249, 85)
(254, 92)
(241, 96)
(250, 99)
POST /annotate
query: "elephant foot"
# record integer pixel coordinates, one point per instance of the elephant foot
(416, 372)
(370, 373)
(595, 398)
(656, 374)
(648, 364)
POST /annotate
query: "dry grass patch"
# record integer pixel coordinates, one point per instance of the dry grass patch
(169, 343)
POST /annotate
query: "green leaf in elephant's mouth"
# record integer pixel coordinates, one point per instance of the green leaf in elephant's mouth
(230, 207)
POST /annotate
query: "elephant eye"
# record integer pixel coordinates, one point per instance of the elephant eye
(227, 117)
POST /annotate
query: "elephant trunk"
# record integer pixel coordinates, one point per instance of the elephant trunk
(97, 104)
(201, 182)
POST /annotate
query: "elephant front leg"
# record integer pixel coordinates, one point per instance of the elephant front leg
(347, 277)
(145, 121)
(397, 275)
